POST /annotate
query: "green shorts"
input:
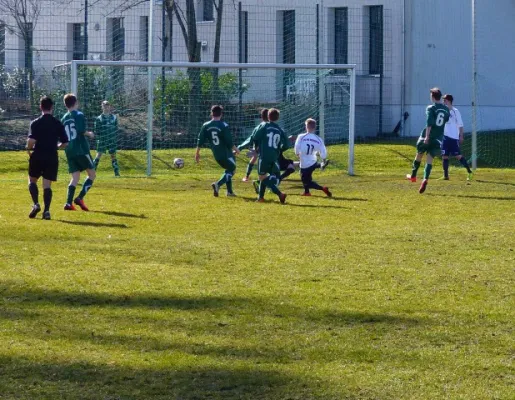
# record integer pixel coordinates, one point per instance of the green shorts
(228, 164)
(268, 167)
(433, 148)
(80, 163)
(106, 146)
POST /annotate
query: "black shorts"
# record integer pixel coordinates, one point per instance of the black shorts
(43, 168)
(306, 174)
(284, 163)
(450, 147)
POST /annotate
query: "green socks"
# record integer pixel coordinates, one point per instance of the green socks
(416, 166)
(71, 193)
(427, 170)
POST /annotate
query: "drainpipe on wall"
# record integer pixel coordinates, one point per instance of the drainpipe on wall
(403, 68)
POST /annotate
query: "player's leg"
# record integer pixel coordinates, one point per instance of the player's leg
(97, 158)
(114, 161)
(445, 164)
(34, 192)
(75, 173)
(250, 166)
(47, 197)
(290, 169)
(421, 149)
(86, 186)
(465, 164)
(229, 172)
(427, 170)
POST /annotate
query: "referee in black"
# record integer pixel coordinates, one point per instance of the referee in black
(46, 135)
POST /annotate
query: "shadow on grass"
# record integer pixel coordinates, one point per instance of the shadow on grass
(168, 380)
(120, 214)
(495, 183)
(94, 224)
(465, 196)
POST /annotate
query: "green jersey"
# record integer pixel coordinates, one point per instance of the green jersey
(270, 139)
(75, 126)
(219, 137)
(437, 115)
(106, 127)
(247, 141)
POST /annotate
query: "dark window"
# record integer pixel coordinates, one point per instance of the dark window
(376, 40)
(79, 41)
(341, 35)
(2, 44)
(208, 11)
(288, 48)
(245, 37)
(143, 39)
(117, 39)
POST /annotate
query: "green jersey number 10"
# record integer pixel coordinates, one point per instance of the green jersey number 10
(273, 140)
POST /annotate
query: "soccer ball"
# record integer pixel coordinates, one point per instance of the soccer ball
(178, 163)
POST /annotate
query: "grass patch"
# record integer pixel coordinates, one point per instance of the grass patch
(164, 292)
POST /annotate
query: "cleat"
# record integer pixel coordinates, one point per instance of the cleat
(306, 194)
(81, 204)
(470, 176)
(215, 189)
(46, 215)
(443, 178)
(69, 207)
(327, 192)
(324, 164)
(36, 208)
(260, 200)
(282, 198)
(232, 194)
(117, 174)
(411, 178)
(256, 186)
(245, 179)
(423, 186)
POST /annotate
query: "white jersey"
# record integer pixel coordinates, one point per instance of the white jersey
(452, 127)
(307, 146)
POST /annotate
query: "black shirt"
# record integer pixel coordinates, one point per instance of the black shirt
(47, 131)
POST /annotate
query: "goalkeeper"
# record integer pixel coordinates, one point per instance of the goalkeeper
(106, 131)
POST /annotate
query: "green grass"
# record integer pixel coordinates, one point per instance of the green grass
(164, 292)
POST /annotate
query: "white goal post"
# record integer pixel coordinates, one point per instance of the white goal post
(298, 90)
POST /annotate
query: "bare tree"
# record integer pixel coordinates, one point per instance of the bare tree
(20, 17)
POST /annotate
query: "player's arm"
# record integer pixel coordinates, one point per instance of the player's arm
(285, 142)
(430, 121)
(460, 126)
(30, 145)
(63, 138)
(323, 150)
(297, 147)
(200, 141)
(246, 142)
(80, 125)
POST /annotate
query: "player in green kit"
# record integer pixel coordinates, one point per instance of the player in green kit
(106, 132)
(217, 133)
(77, 152)
(270, 139)
(253, 152)
(431, 137)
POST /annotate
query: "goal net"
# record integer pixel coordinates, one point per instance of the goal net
(160, 107)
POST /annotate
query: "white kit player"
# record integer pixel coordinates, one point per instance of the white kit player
(307, 147)
(453, 137)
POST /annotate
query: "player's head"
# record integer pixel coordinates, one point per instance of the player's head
(217, 111)
(273, 115)
(70, 101)
(436, 94)
(264, 114)
(46, 104)
(106, 107)
(311, 125)
(448, 100)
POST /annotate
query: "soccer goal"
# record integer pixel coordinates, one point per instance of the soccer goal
(162, 105)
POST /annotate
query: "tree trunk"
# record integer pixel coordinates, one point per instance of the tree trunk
(216, 53)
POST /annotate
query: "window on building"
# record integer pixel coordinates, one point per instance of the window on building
(244, 43)
(143, 38)
(79, 42)
(2, 44)
(208, 10)
(288, 49)
(115, 39)
(375, 65)
(341, 36)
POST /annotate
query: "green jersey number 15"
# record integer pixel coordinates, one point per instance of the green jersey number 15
(71, 132)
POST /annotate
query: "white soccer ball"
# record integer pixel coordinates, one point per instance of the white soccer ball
(178, 163)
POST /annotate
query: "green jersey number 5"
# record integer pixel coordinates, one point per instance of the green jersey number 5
(273, 140)
(440, 119)
(214, 136)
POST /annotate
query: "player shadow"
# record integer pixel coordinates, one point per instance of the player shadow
(465, 196)
(332, 198)
(120, 214)
(496, 183)
(92, 223)
(316, 206)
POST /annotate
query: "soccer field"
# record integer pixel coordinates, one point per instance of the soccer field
(162, 291)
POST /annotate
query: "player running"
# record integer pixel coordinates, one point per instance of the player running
(77, 152)
(430, 140)
(307, 146)
(453, 137)
(106, 132)
(270, 139)
(217, 133)
(46, 135)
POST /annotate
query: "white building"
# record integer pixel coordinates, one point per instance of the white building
(401, 48)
